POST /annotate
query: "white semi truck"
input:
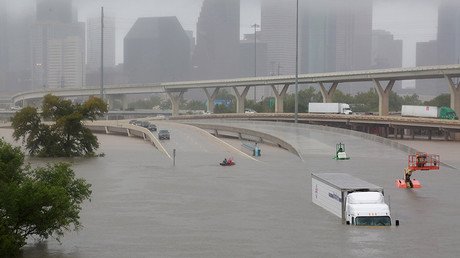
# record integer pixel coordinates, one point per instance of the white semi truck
(428, 111)
(329, 108)
(355, 201)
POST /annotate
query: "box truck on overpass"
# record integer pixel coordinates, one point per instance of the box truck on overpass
(429, 112)
(329, 108)
(355, 201)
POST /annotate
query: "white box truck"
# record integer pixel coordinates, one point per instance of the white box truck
(355, 201)
(419, 111)
(428, 111)
(329, 108)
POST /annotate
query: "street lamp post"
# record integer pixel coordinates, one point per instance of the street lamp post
(255, 26)
(296, 99)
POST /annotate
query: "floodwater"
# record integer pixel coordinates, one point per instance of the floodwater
(142, 206)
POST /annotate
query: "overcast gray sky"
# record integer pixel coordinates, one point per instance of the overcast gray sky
(409, 20)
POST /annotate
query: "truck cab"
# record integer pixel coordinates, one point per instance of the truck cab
(345, 109)
(367, 209)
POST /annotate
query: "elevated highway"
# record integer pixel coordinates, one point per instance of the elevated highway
(385, 126)
(382, 79)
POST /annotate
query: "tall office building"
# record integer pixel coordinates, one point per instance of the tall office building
(353, 34)
(157, 49)
(3, 46)
(278, 23)
(64, 62)
(387, 53)
(56, 33)
(94, 43)
(218, 37)
(427, 55)
(449, 32)
(55, 11)
(317, 37)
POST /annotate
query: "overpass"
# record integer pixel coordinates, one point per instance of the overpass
(382, 79)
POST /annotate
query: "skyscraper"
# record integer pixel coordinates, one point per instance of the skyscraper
(317, 37)
(55, 11)
(157, 49)
(3, 46)
(353, 34)
(278, 23)
(449, 32)
(386, 53)
(56, 33)
(218, 37)
(94, 43)
(427, 55)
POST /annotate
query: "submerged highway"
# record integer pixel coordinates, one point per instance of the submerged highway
(143, 206)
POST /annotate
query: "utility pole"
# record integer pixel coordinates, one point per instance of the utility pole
(102, 54)
(255, 26)
(296, 99)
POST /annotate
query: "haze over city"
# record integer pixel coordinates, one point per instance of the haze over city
(411, 21)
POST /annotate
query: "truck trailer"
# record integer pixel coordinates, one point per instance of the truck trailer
(355, 201)
(329, 108)
(429, 112)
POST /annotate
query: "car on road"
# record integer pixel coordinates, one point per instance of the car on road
(249, 111)
(152, 128)
(164, 135)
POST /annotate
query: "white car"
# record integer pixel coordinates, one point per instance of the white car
(249, 111)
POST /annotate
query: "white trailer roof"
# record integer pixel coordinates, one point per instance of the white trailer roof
(345, 181)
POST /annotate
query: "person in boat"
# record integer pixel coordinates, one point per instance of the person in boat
(421, 160)
(407, 175)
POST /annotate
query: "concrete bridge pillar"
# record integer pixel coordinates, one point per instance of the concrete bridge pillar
(211, 98)
(240, 97)
(175, 98)
(384, 96)
(110, 101)
(454, 95)
(327, 94)
(454, 101)
(279, 98)
(124, 102)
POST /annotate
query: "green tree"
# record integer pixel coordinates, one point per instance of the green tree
(305, 96)
(442, 100)
(153, 101)
(67, 136)
(366, 101)
(41, 202)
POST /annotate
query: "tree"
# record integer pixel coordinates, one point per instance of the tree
(442, 100)
(41, 202)
(67, 136)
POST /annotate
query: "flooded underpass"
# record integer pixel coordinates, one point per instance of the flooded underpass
(143, 206)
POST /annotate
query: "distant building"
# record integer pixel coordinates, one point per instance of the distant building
(93, 29)
(427, 55)
(45, 37)
(449, 32)
(387, 53)
(354, 35)
(65, 62)
(57, 34)
(55, 11)
(278, 32)
(3, 46)
(248, 63)
(218, 35)
(317, 37)
(156, 49)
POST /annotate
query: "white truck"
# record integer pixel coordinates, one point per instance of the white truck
(355, 201)
(428, 111)
(329, 108)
